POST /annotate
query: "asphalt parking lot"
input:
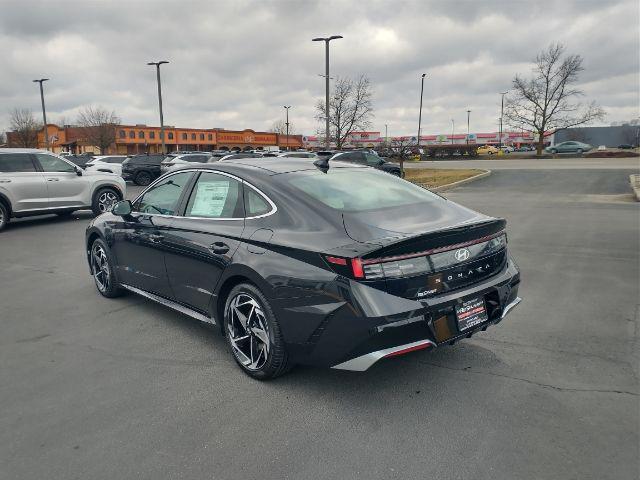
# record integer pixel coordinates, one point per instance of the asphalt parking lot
(97, 388)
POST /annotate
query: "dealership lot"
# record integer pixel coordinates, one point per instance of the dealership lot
(97, 388)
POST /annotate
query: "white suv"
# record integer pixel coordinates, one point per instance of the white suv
(35, 182)
(106, 163)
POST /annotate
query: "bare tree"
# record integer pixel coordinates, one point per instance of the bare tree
(24, 128)
(280, 127)
(99, 126)
(350, 107)
(402, 148)
(548, 101)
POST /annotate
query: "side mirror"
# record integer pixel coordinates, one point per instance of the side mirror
(122, 208)
(78, 170)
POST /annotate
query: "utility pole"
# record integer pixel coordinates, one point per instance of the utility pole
(501, 115)
(386, 135)
(157, 64)
(44, 113)
(468, 132)
(287, 107)
(453, 129)
(326, 72)
(420, 114)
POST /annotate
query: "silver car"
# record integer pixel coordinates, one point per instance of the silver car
(177, 160)
(36, 182)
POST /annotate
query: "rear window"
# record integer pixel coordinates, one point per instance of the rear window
(356, 190)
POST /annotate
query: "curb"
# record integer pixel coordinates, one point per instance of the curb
(635, 185)
(448, 186)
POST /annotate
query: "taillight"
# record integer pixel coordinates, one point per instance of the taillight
(356, 267)
(421, 263)
(348, 267)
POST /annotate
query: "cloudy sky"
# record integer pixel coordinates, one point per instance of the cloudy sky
(235, 63)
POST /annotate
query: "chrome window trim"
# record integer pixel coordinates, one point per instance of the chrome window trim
(273, 210)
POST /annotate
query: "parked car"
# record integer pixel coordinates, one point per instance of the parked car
(106, 163)
(524, 148)
(335, 266)
(36, 182)
(569, 147)
(507, 149)
(369, 159)
(487, 150)
(142, 169)
(176, 160)
(625, 146)
(299, 155)
(235, 156)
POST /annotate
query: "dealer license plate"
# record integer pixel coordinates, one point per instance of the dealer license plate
(471, 313)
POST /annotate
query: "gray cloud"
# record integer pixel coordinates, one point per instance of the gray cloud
(235, 63)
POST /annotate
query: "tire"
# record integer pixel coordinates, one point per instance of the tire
(4, 216)
(553, 151)
(103, 270)
(579, 151)
(246, 305)
(104, 200)
(143, 179)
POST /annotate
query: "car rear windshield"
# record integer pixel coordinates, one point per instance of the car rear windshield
(358, 189)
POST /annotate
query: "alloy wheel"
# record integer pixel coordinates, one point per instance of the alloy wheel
(100, 267)
(248, 331)
(106, 201)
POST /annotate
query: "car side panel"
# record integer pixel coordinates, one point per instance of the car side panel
(67, 189)
(25, 190)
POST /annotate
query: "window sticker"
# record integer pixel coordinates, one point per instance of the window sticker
(210, 198)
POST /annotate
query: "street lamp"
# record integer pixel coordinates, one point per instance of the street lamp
(453, 129)
(468, 132)
(44, 113)
(501, 114)
(326, 41)
(420, 114)
(157, 64)
(287, 107)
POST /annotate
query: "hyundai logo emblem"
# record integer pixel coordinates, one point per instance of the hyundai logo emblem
(462, 254)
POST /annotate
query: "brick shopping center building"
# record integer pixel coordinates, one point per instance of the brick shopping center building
(133, 139)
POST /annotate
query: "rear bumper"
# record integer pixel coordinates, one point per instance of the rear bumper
(371, 324)
(363, 362)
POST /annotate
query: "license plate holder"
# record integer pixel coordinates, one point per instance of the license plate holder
(471, 313)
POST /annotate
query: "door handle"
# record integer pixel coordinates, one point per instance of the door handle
(53, 179)
(5, 181)
(156, 238)
(219, 248)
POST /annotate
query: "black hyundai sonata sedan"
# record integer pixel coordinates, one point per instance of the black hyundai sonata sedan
(327, 264)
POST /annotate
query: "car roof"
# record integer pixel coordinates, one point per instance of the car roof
(23, 150)
(267, 165)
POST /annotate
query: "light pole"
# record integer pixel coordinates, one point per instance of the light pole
(420, 114)
(501, 114)
(157, 64)
(468, 132)
(44, 113)
(326, 72)
(287, 107)
(386, 135)
(453, 129)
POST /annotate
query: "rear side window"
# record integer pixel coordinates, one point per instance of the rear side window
(163, 197)
(16, 162)
(255, 204)
(216, 196)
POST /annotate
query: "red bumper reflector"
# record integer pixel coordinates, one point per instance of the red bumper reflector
(407, 350)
